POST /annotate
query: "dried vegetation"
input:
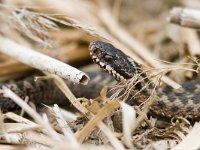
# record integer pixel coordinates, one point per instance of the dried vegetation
(63, 30)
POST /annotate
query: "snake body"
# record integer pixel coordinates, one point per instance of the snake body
(42, 91)
(46, 92)
(169, 102)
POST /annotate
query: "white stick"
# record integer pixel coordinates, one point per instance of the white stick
(41, 61)
(185, 17)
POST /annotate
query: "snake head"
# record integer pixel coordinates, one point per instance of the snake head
(113, 60)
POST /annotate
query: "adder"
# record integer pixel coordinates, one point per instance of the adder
(169, 102)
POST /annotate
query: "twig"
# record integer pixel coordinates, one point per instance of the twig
(41, 61)
(185, 17)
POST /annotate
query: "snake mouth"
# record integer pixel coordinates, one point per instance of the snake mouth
(94, 52)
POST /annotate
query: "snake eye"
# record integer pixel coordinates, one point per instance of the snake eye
(108, 57)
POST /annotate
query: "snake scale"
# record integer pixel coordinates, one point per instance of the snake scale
(183, 102)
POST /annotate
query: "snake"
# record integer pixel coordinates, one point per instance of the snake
(169, 102)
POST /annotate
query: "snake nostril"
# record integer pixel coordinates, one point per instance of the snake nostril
(95, 51)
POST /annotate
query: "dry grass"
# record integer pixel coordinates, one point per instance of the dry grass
(63, 30)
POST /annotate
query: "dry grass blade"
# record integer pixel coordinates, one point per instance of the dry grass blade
(17, 118)
(19, 127)
(95, 120)
(8, 93)
(76, 24)
(63, 87)
(65, 128)
(113, 140)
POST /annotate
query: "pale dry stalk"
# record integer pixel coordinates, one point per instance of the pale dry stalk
(185, 17)
(41, 61)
